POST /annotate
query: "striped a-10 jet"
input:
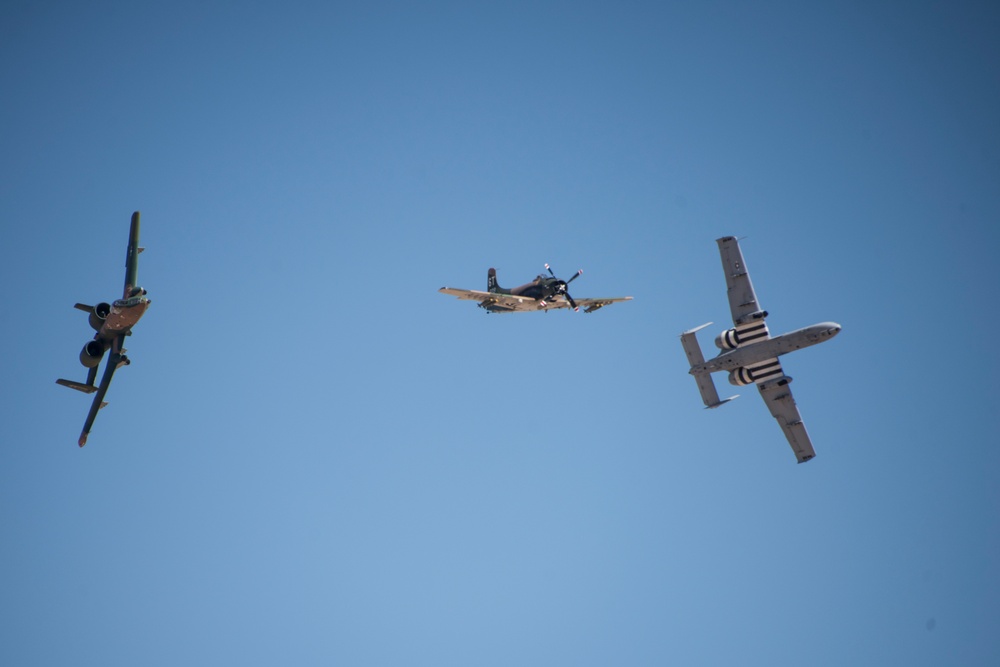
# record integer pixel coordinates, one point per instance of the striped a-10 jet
(112, 322)
(750, 354)
(545, 292)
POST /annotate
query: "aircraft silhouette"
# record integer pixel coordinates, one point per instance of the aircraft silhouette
(750, 354)
(113, 322)
(543, 293)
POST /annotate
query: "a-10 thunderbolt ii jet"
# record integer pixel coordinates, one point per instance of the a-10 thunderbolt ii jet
(543, 293)
(112, 322)
(750, 354)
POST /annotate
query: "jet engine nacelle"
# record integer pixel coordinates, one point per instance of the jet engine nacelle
(740, 377)
(97, 317)
(727, 340)
(92, 353)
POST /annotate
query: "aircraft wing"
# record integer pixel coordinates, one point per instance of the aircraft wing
(132, 256)
(742, 298)
(467, 294)
(496, 301)
(115, 359)
(590, 305)
(778, 396)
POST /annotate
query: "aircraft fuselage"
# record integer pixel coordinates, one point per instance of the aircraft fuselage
(540, 288)
(769, 348)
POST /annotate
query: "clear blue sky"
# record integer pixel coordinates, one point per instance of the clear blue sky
(317, 459)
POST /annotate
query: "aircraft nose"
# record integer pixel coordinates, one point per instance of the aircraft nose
(834, 329)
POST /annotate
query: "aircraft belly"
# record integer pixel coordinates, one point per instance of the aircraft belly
(123, 318)
(522, 304)
(516, 303)
(756, 353)
(747, 355)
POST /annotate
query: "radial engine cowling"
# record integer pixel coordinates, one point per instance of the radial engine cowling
(741, 376)
(97, 317)
(92, 353)
(727, 340)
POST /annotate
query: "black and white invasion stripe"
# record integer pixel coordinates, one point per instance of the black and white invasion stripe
(765, 370)
(751, 333)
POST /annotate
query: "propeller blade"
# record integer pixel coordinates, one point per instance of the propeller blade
(561, 286)
(572, 302)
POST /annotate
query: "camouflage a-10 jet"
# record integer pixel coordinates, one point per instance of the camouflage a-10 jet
(543, 293)
(112, 322)
(750, 353)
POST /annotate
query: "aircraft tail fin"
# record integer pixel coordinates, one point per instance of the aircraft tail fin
(706, 387)
(491, 281)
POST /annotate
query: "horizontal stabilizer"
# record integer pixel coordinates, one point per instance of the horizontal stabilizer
(691, 347)
(697, 329)
(717, 404)
(79, 386)
(709, 396)
(706, 387)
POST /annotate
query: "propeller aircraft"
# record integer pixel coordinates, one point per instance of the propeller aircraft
(750, 354)
(543, 293)
(112, 322)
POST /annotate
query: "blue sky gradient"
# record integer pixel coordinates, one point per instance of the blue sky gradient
(315, 458)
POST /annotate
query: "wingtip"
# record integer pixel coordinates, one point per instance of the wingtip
(83, 440)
